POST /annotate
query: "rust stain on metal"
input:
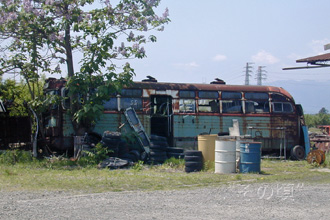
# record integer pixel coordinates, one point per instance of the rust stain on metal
(53, 83)
(209, 87)
(321, 142)
(316, 156)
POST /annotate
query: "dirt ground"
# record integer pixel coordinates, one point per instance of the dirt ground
(248, 201)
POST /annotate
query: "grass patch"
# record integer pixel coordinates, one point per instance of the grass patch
(61, 174)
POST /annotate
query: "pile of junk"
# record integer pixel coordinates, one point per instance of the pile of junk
(123, 150)
(320, 145)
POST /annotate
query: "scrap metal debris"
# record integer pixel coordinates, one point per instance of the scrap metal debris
(316, 156)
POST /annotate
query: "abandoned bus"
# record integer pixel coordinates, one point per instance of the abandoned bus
(181, 111)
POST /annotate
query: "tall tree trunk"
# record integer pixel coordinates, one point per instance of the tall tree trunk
(79, 130)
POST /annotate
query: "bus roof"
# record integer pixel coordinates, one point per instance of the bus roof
(209, 87)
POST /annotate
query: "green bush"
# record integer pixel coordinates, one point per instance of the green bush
(94, 156)
(15, 156)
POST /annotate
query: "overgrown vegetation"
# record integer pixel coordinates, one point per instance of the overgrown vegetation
(322, 118)
(41, 37)
(20, 171)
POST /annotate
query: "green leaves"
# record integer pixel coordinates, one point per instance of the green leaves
(90, 112)
(42, 36)
(322, 118)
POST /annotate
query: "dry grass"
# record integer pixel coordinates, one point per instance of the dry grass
(36, 176)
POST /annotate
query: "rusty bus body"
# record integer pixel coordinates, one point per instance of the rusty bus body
(182, 111)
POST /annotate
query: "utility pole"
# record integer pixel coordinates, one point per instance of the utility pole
(261, 75)
(247, 73)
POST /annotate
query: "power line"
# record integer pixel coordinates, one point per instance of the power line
(261, 75)
(247, 73)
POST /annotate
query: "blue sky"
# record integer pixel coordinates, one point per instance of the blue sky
(216, 38)
(208, 39)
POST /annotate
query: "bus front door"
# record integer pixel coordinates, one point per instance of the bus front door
(161, 116)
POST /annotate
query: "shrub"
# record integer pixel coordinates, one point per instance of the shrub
(15, 156)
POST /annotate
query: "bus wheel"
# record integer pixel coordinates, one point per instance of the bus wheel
(298, 152)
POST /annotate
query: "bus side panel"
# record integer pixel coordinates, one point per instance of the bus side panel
(265, 129)
(188, 127)
(108, 122)
(118, 122)
(289, 133)
(254, 126)
(67, 126)
(274, 132)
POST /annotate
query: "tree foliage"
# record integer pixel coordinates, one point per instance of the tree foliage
(42, 36)
(322, 118)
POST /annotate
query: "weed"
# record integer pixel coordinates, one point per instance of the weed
(94, 156)
(15, 156)
(327, 160)
(209, 166)
(138, 166)
(238, 177)
(9, 172)
(174, 163)
(58, 162)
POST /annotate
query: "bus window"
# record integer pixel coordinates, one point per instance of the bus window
(135, 103)
(208, 101)
(187, 94)
(131, 93)
(187, 105)
(111, 104)
(284, 107)
(231, 102)
(208, 94)
(161, 105)
(256, 102)
(232, 106)
(208, 105)
(129, 98)
(231, 95)
(66, 98)
(51, 122)
(278, 98)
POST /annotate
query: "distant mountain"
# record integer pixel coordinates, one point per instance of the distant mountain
(312, 95)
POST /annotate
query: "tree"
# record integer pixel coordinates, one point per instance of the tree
(323, 111)
(322, 118)
(40, 36)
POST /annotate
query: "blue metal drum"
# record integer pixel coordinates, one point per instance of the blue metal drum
(250, 157)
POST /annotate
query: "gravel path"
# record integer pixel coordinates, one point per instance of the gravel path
(254, 201)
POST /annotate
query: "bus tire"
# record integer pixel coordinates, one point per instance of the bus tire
(158, 154)
(298, 152)
(93, 138)
(193, 158)
(192, 169)
(158, 148)
(193, 153)
(197, 164)
(156, 137)
(193, 166)
(175, 155)
(157, 159)
(157, 142)
(174, 150)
